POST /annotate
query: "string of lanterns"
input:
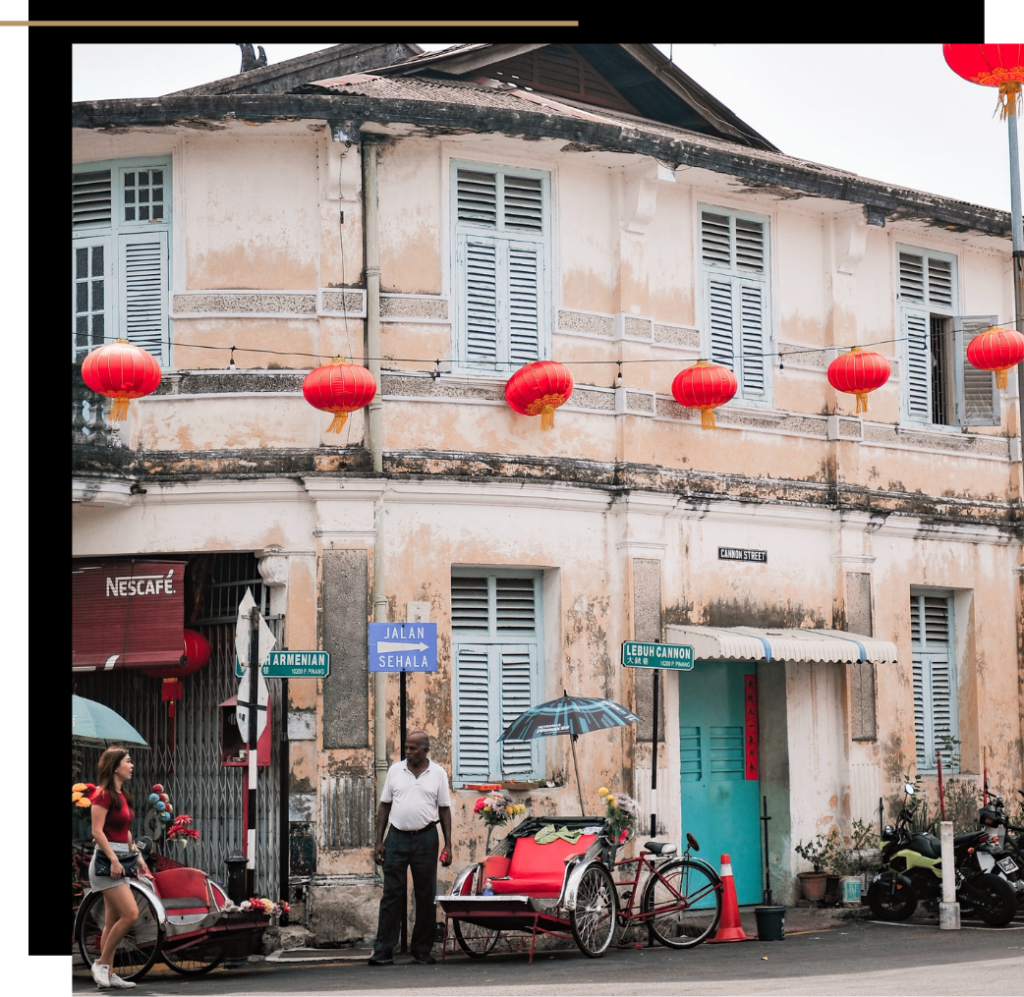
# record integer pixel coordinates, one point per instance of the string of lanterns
(123, 371)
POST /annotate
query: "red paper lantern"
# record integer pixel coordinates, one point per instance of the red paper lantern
(990, 66)
(538, 389)
(197, 651)
(857, 373)
(121, 371)
(339, 387)
(996, 349)
(704, 386)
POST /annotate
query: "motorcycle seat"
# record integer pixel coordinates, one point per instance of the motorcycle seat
(927, 844)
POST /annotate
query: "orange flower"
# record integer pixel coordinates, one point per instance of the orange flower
(75, 796)
(83, 802)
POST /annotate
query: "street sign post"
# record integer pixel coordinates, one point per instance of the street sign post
(293, 665)
(636, 654)
(403, 647)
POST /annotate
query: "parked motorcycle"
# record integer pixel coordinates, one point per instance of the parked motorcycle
(999, 848)
(913, 874)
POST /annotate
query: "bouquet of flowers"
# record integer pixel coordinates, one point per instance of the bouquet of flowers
(497, 809)
(161, 813)
(80, 801)
(180, 830)
(620, 812)
(264, 906)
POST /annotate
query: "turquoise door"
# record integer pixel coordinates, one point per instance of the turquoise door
(719, 799)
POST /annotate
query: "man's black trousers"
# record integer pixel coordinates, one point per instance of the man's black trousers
(416, 850)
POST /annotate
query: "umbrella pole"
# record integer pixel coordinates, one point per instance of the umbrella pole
(579, 785)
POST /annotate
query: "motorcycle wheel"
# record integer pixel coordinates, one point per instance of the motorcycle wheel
(991, 898)
(890, 901)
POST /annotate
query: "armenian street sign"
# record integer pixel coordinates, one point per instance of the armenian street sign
(678, 657)
(293, 665)
(403, 647)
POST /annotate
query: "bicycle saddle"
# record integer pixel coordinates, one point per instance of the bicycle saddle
(659, 847)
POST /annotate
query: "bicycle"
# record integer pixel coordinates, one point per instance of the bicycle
(681, 902)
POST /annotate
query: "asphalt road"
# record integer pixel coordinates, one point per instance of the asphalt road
(857, 958)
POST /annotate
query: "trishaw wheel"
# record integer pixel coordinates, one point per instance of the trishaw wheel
(681, 904)
(474, 940)
(197, 958)
(137, 951)
(593, 920)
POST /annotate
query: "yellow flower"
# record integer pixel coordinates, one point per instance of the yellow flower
(83, 802)
(610, 800)
(78, 787)
(75, 796)
(603, 791)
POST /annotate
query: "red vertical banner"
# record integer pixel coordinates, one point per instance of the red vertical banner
(750, 726)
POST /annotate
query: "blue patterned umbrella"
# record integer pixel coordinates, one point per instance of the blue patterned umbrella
(572, 715)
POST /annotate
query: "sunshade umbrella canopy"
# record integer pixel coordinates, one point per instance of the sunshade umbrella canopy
(94, 724)
(573, 715)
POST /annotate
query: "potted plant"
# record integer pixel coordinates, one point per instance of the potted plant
(819, 852)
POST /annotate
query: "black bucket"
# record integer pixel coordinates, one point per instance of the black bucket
(771, 924)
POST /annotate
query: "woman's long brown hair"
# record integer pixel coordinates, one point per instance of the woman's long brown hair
(110, 761)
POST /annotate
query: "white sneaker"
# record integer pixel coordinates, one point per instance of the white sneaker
(116, 981)
(101, 974)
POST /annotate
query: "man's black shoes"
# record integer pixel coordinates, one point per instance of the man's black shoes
(424, 960)
(380, 960)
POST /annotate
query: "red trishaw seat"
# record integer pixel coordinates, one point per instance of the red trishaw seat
(538, 870)
(183, 891)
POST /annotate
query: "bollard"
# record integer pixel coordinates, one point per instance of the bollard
(236, 877)
(949, 909)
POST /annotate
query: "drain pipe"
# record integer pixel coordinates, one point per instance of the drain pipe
(372, 271)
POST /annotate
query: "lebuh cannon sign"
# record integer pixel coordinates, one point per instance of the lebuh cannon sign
(639, 655)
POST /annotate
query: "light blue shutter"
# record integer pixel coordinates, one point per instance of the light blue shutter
(753, 341)
(918, 367)
(92, 269)
(720, 317)
(473, 708)
(479, 272)
(977, 397)
(517, 671)
(524, 302)
(934, 679)
(142, 263)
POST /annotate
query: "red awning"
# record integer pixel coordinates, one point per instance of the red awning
(127, 613)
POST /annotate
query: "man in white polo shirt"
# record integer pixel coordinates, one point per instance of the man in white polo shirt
(414, 799)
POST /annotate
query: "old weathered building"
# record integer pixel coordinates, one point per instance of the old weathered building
(591, 204)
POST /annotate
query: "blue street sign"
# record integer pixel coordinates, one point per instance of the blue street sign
(403, 647)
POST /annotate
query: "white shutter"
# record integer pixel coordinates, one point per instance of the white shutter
(750, 254)
(977, 397)
(753, 341)
(515, 604)
(477, 198)
(479, 271)
(912, 277)
(720, 320)
(918, 366)
(940, 283)
(715, 240)
(523, 203)
(470, 604)
(92, 270)
(142, 264)
(473, 706)
(524, 302)
(90, 199)
(517, 671)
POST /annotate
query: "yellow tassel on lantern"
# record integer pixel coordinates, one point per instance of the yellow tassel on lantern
(1001, 378)
(862, 401)
(119, 410)
(547, 417)
(546, 407)
(1008, 93)
(707, 418)
(338, 421)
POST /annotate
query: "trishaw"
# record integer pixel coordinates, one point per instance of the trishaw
(571, 890)
(185, 919)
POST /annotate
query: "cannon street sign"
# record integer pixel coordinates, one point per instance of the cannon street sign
(403, 647)
(636, 654)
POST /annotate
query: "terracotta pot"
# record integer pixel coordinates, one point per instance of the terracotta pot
(813, 884)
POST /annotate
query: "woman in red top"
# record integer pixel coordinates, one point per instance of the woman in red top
(112, 815)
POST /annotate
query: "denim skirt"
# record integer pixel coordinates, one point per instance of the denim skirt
(97, 882)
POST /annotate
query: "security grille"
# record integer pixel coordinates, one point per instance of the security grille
(193, 775)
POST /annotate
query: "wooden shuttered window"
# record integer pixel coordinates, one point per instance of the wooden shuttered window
(936, 726)
(496, 653)
(120, 224)
(940, 385)
(734, 267)
(501, 239)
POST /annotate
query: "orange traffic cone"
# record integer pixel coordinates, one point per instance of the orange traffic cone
(729, 928)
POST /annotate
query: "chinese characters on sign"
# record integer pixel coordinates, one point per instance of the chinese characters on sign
(638, 655)
(750, 726)
(740, 554)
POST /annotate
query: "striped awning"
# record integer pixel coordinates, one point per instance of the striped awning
(753, 644)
